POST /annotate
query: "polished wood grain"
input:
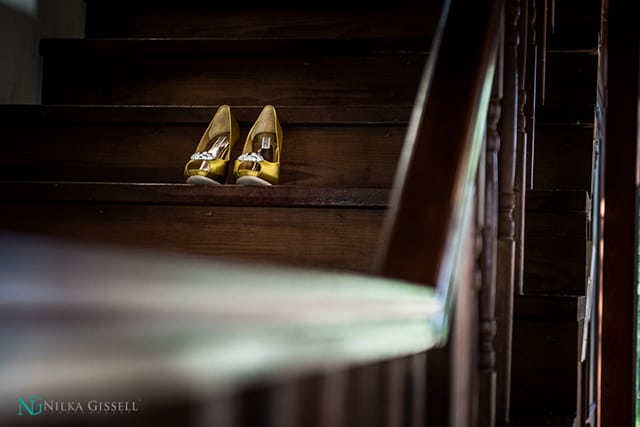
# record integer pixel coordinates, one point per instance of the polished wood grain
(149, 149)
(252, 19)
(332, 238)
(192, 195)
(192, 73)
(201, 114)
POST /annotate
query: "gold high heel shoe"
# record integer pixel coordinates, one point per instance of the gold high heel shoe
(259, 163)
(208, 165)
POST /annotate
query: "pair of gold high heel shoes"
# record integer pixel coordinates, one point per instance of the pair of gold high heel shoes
(259, 163)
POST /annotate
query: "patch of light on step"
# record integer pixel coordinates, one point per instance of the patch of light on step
(28, 7)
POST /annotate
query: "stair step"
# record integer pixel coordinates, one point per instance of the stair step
(547, 335)
(576, 25)
(336, 229)
(555, 247)
(255, 19)
(558, 201)
(186, 194)
(571, 77)
(238, 72)
(542, 421)
(579, 115)
(323, 146)
(554, 144)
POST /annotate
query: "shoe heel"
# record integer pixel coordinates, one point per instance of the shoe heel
(259, 163)
(209, 163)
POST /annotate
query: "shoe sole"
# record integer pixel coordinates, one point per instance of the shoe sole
(252, 180)
(201, 180)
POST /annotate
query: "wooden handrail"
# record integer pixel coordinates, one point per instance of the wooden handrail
(434, 184)
(87, 321)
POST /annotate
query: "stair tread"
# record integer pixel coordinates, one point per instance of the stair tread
(186, 194)
(152, 143)
(235, 47)
(521, 420)
(298, 115)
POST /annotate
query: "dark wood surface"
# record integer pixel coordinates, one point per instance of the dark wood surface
(555, 254)
(560, 201)
(34, 114)
(550, 308)
(186, 194)
(546, 356)
(571, 77)
(332, 238)
(252, 19)
(579, 115)
(619, 288)
(336, 227)
(77, 146)
(575, 24)
(105, 73)
(556, 247)
(563, 157)
(176, 49)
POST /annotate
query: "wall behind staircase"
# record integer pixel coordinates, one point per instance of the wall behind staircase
(22, 24)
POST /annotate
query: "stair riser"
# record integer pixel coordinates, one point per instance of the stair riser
(216, 20)
(314, 155)
(545, 367)
(563, 157)
(317, 237)
(555, 254)
(576, 25)
(571, 78)
(207, 80)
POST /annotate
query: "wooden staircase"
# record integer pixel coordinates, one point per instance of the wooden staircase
(124, 108)
(551, 365)
(101, 161)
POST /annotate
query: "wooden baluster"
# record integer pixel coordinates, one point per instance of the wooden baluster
(395, 384)
(364, 396)
(520, 185)
(333, 399)
(464, 335)
(417, 396)
(530, 86)
(487, 297)
(506, 208)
